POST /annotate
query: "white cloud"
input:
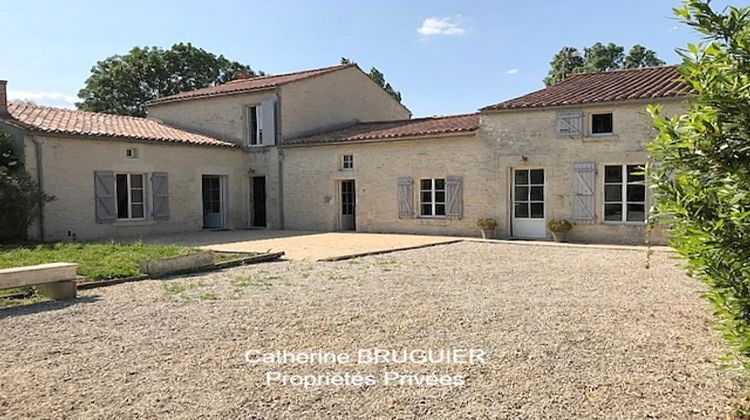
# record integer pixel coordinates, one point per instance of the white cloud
(447, 26)
(512, 71)
(44, 98)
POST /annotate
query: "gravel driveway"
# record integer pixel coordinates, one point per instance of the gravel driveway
(568, 333)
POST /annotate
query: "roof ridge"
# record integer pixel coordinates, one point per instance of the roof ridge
(293, 73)
(622, 70)
(57, 108)
(434, 117)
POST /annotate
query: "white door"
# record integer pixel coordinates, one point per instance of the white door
(528, 204)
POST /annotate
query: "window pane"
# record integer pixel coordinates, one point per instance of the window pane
(522, 210)
(439, 184)
(522, 194)
(440, 197)
(426, 184)
(537, 176)
(637, 193)
(635, 173)
(522, 177)
(122, 196)
(537, 210)
(537, 194)
(137, 211)
(613, 193)
(601, 123)
(136, 181)
(136, 196)
(426, 197)
(439, 209)
(426, 210)
(613, 174)
(613, 212)
(636, 213)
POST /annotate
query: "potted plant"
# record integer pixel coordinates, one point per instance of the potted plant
(559, 229)
(487, 225)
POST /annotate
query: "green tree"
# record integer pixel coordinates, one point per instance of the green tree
(599, 57)
(640, 56)
(566, 62)
(700, 170)
(378, 77)
(19, 194)
(122, 84)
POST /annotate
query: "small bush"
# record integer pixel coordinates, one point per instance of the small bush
(559, 225)
(487, 223)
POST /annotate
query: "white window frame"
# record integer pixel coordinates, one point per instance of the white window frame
(623, 195)
(591, 125)
(347, 159)
(258, 129)
(144, 181)
(433, 203)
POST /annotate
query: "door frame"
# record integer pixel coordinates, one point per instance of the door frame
(223, 200)
(339, 204)
(511, 203)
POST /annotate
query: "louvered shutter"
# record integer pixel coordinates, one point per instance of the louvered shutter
(405, 197)
(583, 193)
(455, 192)
(569, 123)
(104, 196)
(160, 194)
(268, 122)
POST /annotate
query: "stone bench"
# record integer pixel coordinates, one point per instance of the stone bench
(54, 280)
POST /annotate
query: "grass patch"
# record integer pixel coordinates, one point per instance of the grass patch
(229, 256)
(96, 261)
(180, 288)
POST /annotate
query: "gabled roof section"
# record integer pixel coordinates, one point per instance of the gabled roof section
(611, 86)
(393, 130)
(93, 124)
(249, 85)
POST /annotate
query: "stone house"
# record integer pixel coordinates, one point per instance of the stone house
(327, 149)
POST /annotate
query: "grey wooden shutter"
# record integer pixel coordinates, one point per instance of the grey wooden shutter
(569, 123)
(455, 191)
(405, 197)
(160, 194)
(268, 122)
(583, 193)
(104, 196)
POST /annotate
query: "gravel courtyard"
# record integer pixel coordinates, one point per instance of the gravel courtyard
(568, 333)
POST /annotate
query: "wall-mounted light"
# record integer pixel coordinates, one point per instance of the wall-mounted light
(524, 158)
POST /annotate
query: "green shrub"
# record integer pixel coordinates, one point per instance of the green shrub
(559, 225)
(19, 195)
(487, 223)
(700, 166)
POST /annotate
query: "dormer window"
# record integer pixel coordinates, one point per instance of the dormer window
(601, 123)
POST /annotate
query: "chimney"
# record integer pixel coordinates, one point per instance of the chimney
(3, 97)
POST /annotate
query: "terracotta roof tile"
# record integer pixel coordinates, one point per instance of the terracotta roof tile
(79, 123)
(611, 86)
(250, 84)
(379, 130)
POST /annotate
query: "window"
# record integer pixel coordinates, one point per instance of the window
(129, 190)
(624, 193)
(347, 162)
(528, 194)
(569, 123)
(131, 153)
(601, 123)
(253, 127)
(432, 197)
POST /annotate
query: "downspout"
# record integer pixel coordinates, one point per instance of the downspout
(280, 146)
(40, 184)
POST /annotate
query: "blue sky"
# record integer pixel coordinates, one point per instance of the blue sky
(468, 53)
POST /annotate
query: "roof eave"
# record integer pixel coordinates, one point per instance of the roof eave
(58, 134)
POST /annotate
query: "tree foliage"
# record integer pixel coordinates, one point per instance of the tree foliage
(19, 194)
(378, 77)
(598, 57)
(701, 165)
(122, 84)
